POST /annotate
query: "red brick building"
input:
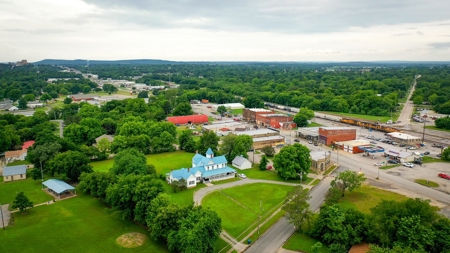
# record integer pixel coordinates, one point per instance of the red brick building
(250, 114)
(191, 119)
(328, 135)
(273, 120)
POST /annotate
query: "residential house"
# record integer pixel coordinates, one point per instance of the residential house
(241, 163)
(110, 138)
(17, 155)
(12, 173)
(204, 169)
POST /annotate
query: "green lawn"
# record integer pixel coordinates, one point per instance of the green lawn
(18, 163)
(237, 111)
(31, 188)
(426, 183)
(163, 162)
(429, 159)
(435, 128)
(304, 243)
(256, 173)
(314, 124)
(366, 117)
(182, 198)
(236, 218)
(80, 224)
(367, 197)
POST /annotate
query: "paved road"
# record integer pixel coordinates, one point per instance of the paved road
(408, 107)
(276, 236)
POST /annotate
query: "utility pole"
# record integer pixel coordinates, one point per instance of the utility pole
(1, 213)
(423, 135)
(42, 175)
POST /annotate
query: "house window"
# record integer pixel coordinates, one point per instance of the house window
(6, 177)
(21, 175)
(191, 182)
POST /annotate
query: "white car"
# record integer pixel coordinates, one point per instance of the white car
(410, 165)
(242, 176)
(412, 148)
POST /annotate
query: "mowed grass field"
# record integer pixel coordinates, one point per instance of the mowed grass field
(163, 162)
(31, 188)
(256, 173)
(239, 207)
(364, 116)
(80, 224)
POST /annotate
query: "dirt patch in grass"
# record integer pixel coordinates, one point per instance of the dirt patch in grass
(131, 240)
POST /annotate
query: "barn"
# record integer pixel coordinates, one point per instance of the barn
(190, 119)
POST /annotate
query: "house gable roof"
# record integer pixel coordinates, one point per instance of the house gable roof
(14, 170)
(110, 138)
(239, 160)
(209, 152)
(27, 144)
(16, 153)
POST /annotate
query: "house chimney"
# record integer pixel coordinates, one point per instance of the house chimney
(196, 151)
(189, 169)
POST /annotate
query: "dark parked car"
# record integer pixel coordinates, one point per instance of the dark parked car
(393, 161)
(426, 153)
(297, 140)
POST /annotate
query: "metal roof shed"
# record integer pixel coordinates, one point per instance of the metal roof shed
(58, 186)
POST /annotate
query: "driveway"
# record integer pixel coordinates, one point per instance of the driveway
(6, 216)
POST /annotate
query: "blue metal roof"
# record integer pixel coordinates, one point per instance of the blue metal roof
(371, 149)
(58, 186)
(209, 152)
(14, 170)
(184, 173)
(197, 158)
(209, 173)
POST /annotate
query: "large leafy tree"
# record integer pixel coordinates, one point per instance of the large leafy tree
(221, 109)
(22, 202)
(292, 160)
(187, 141)
(41, 154)
(131, 194)
(70, 163)
(183, 109)
(297, 209)
(348, 180)
(209, 139)
(14, 94)
(253, 101)
(263, 163)
(96, 183)
(22, 103)
(129, 161)
(236, 145)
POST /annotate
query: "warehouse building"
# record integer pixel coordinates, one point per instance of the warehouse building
(191, 119)
(250, 114)
(273, 141)
(273, 120)
(259, 133)
(328, 135)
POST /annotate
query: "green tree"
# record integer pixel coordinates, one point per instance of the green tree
(185, 138)
(104, 145)
(96, 183)
(183, 109)
(63, 92)
(29, 97)
(143, 94)
(22, 103)
(41, 154)
(109, 88)
(301, 119)
(348, 180)
(292, 160)
(22, 202)
(297, 209)
(76, 133)
(446, 154)
(221, 110)
(45, 97)
(209, 139)
(253, 101)
(129, 161)
(67, 100)
(70, 163)
(263, 163)
(418, 100)
(141, 142)
(14, 94)
(131, 195)
(236, 145)
(316, 247)
(93, 129)
(268, 150)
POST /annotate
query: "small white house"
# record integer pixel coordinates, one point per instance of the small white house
(12, 108)
(12, 173)
(241, 163)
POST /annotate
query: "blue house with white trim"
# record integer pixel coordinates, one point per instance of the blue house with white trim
(204, 169)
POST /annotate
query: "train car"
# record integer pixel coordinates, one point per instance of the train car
(296, 110)
(280, 107)
(288, 109)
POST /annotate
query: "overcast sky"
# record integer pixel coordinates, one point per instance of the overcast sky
(225, 30)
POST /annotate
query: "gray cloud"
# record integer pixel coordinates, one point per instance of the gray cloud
(440, 45)
(300, 16)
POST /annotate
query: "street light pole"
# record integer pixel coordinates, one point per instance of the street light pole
(423, 135)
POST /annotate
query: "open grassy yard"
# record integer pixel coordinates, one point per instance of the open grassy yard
(18, 163)
(31, 188)
(163, 162)
(304, 243)
(256, 173)
(237, 111)
(182, 198)
(80, 224)
(435, 128)
(314, 124)
(366, 117)
(239, 207)
(367, 197)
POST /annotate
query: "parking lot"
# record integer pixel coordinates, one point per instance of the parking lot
(428, 171)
